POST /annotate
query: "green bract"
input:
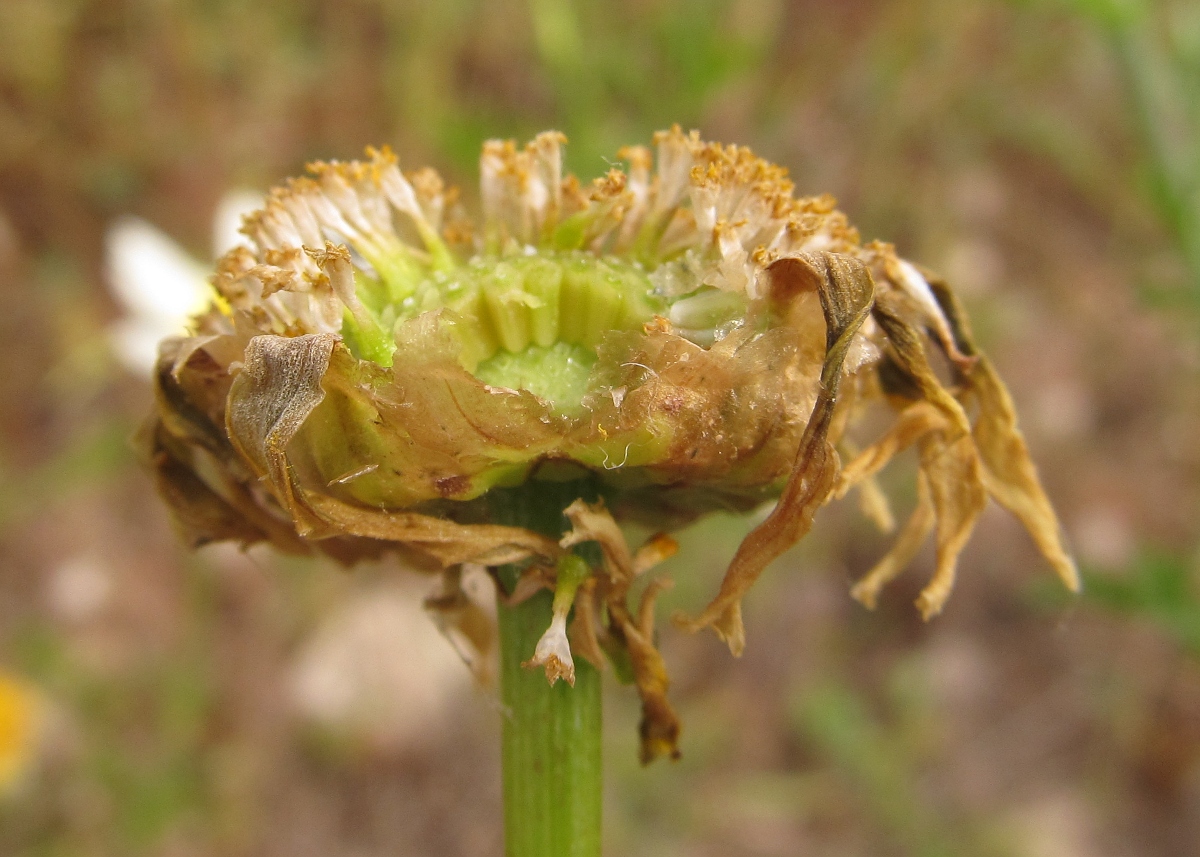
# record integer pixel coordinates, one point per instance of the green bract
(686, 335)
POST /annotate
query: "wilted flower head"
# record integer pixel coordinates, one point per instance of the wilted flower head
(682, 336)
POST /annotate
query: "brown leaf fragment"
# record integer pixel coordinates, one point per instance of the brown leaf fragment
(847, 293)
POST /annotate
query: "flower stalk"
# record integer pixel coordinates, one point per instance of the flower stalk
(551, 745)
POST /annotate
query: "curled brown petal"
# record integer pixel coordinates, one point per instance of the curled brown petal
(278, 387)
(1008, 470)
(958, 496)
(184, 445)
(202, 513)
(660, 725)
(913, 422)
(912, 535)
(873, 503)
(584, 632)
(847, 292)
(593, 523)
(948, 459)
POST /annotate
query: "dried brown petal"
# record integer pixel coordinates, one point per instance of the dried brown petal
(470, 628)
(593, 523)
(1009, 472)
(278, 387)
(914, 421)
(584, 632)
(952, 471)
(948, 457)
(660, 724)
(846, 293)
(916, 529)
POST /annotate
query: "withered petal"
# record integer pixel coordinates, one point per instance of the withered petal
(449, 542)
(660, 724)
(593, 523)
(952, 471)
(847, 294)
(584, 632)
(278, 387)
(1009, 473)
(913, 422)
(948, 458)
(909, 540)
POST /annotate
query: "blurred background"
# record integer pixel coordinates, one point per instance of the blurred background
(1044, 156)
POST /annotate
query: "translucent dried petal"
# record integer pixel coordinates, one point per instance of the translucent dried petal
(660, 726)
(846, 293)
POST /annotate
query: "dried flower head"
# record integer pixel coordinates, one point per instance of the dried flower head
(685, 335)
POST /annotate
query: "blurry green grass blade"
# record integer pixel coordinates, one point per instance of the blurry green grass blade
(1111, 13)
(872, 759)
(1159, 586)
(556, 30)
(94, 454)
(1156, 48)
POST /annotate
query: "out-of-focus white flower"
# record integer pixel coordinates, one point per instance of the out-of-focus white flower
(378, 668)
(227, 220)
(158, 284)
(79, 588)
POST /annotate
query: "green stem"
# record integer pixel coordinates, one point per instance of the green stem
(551, 750)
